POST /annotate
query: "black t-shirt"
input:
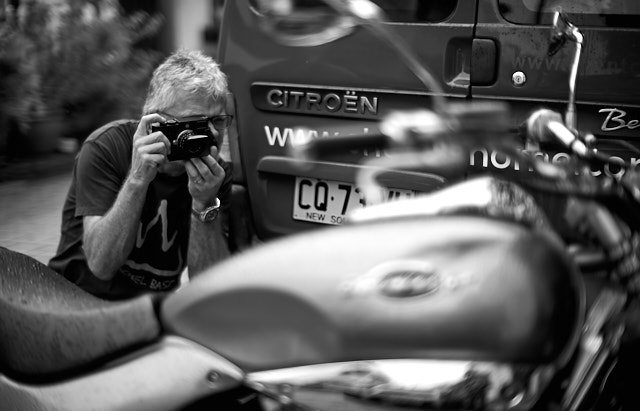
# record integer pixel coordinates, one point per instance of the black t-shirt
(160, 251)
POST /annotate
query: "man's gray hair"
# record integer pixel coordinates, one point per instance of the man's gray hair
(185, 70)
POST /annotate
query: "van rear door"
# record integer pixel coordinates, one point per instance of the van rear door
(285, 93)
(608, 83)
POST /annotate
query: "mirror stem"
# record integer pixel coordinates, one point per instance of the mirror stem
(570, 117)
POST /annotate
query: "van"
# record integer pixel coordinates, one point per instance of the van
(484, 50)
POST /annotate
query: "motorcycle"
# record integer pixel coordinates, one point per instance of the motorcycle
(470, 297)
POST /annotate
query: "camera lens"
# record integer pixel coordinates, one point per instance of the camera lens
(183, 137)
(191, 143)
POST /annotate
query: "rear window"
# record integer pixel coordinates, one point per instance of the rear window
(404, 11)
(599, 13)
(417, 11)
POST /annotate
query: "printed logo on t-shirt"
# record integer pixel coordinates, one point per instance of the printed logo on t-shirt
(157, 259)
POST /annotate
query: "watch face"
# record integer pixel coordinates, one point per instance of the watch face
(210, 215)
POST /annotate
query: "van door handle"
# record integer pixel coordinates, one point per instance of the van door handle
(484, 59)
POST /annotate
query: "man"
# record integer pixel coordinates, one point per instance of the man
(132, 219)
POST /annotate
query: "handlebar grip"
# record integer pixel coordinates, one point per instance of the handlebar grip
(545, 126)
(568, 138)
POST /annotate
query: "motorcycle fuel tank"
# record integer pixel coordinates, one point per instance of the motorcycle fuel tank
(452, 287)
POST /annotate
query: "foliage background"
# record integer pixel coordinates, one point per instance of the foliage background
(79, 61)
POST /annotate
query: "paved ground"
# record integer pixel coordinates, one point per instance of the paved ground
(31, 197)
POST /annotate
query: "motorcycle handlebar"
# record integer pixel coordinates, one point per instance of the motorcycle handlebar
(465, 124)
(324, 147)
(545, 126)
(536, 125)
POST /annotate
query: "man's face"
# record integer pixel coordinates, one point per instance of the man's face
(191, 106)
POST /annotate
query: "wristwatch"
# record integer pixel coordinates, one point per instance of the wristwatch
(208, 214)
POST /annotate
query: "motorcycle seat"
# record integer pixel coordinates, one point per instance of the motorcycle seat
(50, 326)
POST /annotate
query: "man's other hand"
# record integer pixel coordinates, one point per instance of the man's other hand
(205, 179)
(150, 150)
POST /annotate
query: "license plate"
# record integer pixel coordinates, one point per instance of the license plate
(327, 202)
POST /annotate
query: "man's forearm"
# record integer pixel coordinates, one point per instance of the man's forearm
(109, 239)
(207, 245)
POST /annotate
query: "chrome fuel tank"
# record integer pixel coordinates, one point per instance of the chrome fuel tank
(431, 287)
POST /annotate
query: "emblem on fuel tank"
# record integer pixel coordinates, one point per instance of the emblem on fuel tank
(396, 278)
(409, 282)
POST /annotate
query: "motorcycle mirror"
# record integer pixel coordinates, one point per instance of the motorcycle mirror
(303, 23)
(558, 37)
(562, 30)
(559, 24)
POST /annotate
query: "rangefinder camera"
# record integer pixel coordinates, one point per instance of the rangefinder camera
(190, 138)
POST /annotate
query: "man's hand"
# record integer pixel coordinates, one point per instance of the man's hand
(207, 242)
(149, 150)
(205, 178)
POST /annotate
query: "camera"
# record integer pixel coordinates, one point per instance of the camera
(190, 138)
